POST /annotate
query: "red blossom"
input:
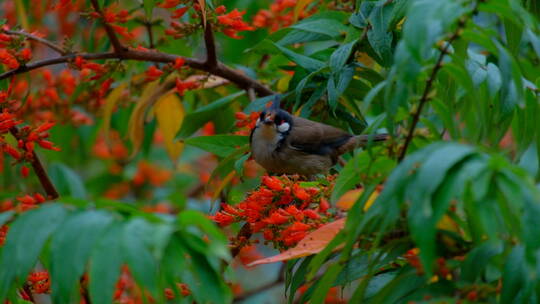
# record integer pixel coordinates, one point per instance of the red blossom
(179, 63)
(179, 12)
(25, 54)
(223, 219)
(300, 192)
(182, 86)
(169, 3)
(3, 233)
(276, 218)
(39, 282)
(25, 171)
(272, 182)
(153, 73)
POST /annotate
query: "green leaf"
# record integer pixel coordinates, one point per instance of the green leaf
(425, 210)
(5, 216)
(239, 164)
(341, 54)
(105, 263)
(324, 284)
(25, 239)
(136, 252)
(67, 181)
(306, 62)
(218, 244)
(195, 120)
(148, 8)
(478, 258)
(330, 27)
(298, 277)
(300, 36)
(70, 249)
(221, 145)
(514, 275)
(207, 286)
(378, 36)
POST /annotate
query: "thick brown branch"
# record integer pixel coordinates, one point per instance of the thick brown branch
(42, 175)
(427, 90)
(117, 46)
(37, 39)
(211, 57)
(220, 69)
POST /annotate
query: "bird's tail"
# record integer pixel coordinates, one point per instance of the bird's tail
(361, 141)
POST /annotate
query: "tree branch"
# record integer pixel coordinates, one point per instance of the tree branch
(221, 70)
(46, 42)
(42, 175)
(117, 46)
(429, 83)
(211, 57)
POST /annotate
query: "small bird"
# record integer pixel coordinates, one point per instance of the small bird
(287, 144)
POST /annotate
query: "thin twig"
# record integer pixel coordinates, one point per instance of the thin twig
(429, 83)
(221, 70)
(117, 46)
(148, 26)
(42, 175)
(46, 42)
(211, 56)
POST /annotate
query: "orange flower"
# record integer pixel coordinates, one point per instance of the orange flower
(272, 182)
(179, 63)
(3, 233)
(300, 192)
(153, 73)
(170, 3)
(182, 86)
(276, 218)
(180, 12)
(39, 282)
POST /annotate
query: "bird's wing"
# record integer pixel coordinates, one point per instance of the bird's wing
(314, 137)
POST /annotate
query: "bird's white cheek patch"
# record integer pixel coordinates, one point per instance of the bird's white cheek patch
(284, 127)
(258, 123)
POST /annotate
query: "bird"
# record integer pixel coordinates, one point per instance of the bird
(286, 144)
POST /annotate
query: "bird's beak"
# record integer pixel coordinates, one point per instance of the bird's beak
(268, 120)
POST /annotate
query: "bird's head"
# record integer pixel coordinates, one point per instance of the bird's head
(274, 121)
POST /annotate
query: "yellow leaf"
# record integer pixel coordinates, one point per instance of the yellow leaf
(170, 113)
(283, 83)
(222, 184)
(110, 103)
(347, 200)
(300, 6)
(136, 121)
(313, 243)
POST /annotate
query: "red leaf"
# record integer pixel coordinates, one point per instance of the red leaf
(313, 243)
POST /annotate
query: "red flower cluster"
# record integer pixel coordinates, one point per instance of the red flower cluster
(281, 209)
(111, 17)
(245, 122)
(280, 15)
(184, 291)
(147, 172)
(3, 233)
(183, 86)
(39, 282)
(152, 73)
(232, 22)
